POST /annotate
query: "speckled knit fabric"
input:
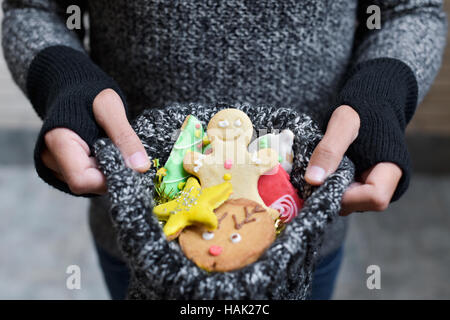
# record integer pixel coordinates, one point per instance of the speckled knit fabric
(279, 53)
(161, 271)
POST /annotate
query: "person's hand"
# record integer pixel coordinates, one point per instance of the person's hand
(69, 157)
(374, 188)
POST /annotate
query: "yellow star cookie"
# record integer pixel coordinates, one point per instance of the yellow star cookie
(194, 205)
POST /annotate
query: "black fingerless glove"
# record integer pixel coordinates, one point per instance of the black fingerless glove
(62, 84)
(384, 93)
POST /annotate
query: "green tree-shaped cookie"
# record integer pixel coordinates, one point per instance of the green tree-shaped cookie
(190, 138)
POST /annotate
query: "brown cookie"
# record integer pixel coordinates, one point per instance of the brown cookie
(245, 231)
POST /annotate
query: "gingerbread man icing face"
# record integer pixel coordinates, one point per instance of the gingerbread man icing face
(229, 125)
(245, 231)
(230, 132)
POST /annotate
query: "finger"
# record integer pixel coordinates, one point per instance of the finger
(357, 199)
(49, 161)
(363, 176)
(51, 137)
(345, 205)
(341, 131)
(376, 193)
(386, 175)
(110, 114)
(78, 170)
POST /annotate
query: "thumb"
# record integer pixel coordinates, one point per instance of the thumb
(109, 113)
(341, 131)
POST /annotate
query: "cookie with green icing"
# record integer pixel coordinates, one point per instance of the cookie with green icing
(189, 139)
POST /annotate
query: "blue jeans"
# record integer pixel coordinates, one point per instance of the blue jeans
(117, 275)
(325, 275)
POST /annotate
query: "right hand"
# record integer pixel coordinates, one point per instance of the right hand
(68, 156)
(375, 186)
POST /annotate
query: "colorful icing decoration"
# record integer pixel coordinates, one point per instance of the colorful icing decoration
(248, 214)
(190, 136)
(221, 218)
(281, 142)
(287, 207)
(235, 238)
(278, 193)
(223, 124)
(263, 142)
(230, 144)
(208, 235)
(206, 145)
(228, 164)
(193, 205)
(199, 162)
(215, 250)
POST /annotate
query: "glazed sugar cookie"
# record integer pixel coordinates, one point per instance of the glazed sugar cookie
(190, 138)
(230, 131)
(278, 193)
(244, 232)
(194, 205)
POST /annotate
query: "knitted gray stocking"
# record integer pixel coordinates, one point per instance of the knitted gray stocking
(159, 268)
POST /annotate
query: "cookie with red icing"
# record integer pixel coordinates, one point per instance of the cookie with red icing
(278, 193)
(245, 230)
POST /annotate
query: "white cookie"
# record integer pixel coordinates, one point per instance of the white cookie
(282, 143)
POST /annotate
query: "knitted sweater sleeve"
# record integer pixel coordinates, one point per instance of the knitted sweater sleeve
(392, 69)
(49, 64)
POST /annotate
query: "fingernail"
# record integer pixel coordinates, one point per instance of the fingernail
(138, 160)
(316, 173)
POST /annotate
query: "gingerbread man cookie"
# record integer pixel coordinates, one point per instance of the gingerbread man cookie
(230, 132)
(244, 232)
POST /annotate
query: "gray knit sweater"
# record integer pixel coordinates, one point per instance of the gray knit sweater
(278, 53)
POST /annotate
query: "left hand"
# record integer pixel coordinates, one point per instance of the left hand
(374, 188)
(69, 157)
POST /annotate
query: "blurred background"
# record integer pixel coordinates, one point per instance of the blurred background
(43, 231)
